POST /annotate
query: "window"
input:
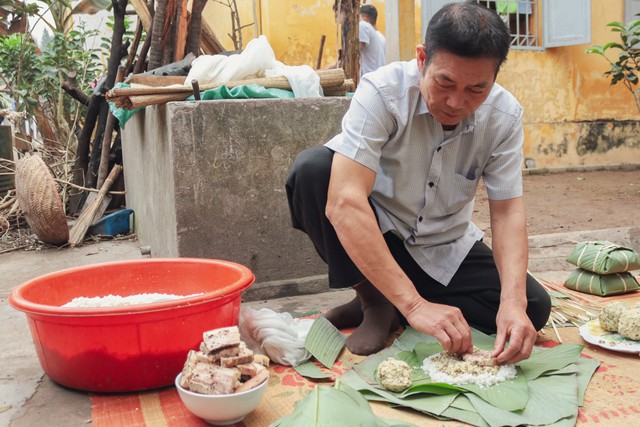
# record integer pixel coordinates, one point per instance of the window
(520, 17)
(535, 24)
(631, 7)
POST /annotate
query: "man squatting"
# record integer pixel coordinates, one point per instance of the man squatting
(388, 202)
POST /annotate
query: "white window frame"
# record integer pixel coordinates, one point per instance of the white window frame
(631, 7)
(554, 14)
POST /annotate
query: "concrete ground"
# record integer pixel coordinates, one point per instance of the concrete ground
(28, 397)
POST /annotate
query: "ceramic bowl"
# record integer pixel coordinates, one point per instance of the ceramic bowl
(222, 409)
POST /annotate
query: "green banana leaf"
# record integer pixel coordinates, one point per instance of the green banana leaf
(549, 359)
(462, 410)
(309, 369)
(552, 398)
(367, 368)
(433, 404)
(510, 395)
(556, 380)
(324, 341)
(587, 367)
(335, 406)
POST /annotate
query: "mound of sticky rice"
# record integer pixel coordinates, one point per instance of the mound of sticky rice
(452, 369)
(609, 316)
(394, 375)
(629, 324)
(119, 301)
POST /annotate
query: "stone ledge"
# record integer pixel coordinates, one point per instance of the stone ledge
(591, 168)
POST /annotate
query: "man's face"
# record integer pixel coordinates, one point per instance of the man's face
(453, 86)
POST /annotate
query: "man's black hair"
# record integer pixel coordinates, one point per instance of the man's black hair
(469, 30)
(370, 11)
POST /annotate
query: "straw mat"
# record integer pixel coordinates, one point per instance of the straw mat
(611, 399)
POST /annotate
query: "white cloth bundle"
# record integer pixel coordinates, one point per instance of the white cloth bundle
(257, 60)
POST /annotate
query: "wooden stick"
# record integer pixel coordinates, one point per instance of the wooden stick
(154, 80)
(319, 62)
(196, 89)
(328, 78)
(553, 325)
(107, 137)
(7, 204)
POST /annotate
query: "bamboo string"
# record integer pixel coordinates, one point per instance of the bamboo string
(569, 309)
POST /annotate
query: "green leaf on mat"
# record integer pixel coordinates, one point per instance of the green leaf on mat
(408, 340)
(333, 406)
(367, 368)
(309, 369)
(587, 367)
(461, 409)
(324, 341)
(511, 395)
(547, 391)
(552, 398)
(547, 360)
(430, 404)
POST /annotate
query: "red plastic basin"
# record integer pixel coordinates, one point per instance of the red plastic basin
(136, 347)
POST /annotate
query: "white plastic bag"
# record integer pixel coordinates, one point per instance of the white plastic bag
(278, 335)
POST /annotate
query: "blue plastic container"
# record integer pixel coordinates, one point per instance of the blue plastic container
(112, 224)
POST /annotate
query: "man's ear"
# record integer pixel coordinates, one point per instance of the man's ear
(421, 57)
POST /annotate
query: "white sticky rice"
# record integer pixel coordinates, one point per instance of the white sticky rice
(118, 301)
(450, 369)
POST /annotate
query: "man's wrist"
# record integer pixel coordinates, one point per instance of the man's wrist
(513, 301)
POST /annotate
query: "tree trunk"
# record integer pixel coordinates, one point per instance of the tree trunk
(169, 35)
(96, 146)
(181, 25)
(157, 32)
(195, 27)
(351, 41)
(115, 56)
(82, 154)
(142, 58)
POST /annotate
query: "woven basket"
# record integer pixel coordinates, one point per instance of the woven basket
(40, 202)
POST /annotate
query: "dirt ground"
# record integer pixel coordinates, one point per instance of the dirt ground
(575, 201)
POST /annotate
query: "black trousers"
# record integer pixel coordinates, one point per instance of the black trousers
(475, 287)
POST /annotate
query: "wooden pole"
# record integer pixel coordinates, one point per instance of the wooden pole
(322, 40)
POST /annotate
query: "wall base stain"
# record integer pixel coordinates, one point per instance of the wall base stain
(583, 143)
(603, 136)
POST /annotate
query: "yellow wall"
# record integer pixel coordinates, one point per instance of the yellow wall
(572, 114)
(292, 27)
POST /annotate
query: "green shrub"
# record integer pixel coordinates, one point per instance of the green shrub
(627, 66)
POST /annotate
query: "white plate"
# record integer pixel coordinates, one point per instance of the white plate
(592, 333)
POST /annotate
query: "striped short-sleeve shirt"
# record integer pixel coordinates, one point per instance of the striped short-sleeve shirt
(425, 180)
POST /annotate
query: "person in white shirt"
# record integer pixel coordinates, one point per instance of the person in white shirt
(388, 202)
(372, 42)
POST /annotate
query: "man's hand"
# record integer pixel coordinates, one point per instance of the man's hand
(513, 325)
(443, 322)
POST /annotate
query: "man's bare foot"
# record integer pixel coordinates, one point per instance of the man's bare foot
(347, 315)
